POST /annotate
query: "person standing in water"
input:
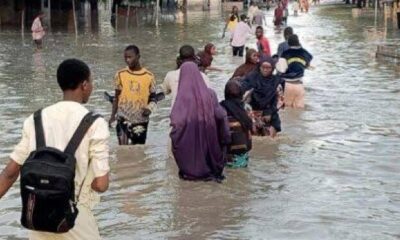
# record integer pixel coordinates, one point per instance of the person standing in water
(259, 18)
(264, 87)
(304, 5)
(135, 99)
(206, 58)
(171, 80)
(262, 43)
(38, 31)
(283, 46)
(292, 64)
(253, 9)
(60, 122)
(278, 16)
(200, 130)
(285, 14)
(252, 58)
(239, 37)
(240, 124)
(296, 8)
(232, 21)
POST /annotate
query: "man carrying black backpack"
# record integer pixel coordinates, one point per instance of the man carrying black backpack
(63, 160)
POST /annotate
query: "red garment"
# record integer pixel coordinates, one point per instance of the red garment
(206, 57)
(278, 16)
(263, 47)
(285, 3)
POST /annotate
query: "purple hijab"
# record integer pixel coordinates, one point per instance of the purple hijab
(200, 128)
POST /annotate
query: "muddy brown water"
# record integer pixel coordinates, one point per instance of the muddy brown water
(332, 174)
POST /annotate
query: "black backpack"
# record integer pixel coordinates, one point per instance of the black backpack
(47, 181)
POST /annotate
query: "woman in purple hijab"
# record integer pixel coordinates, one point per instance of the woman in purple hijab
(200, 130)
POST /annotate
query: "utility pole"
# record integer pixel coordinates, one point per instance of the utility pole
(49, 15)
(157, 11)
(116, 18)
(127, 15)
(376, 12)
(74, 15)
(23, 23)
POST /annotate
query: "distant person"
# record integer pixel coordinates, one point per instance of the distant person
(283, 46)
(296, 8)
(269, 3)
(264, 87)
(253, 9)
(285, 15)
(135, 99)
(200, 131)
(259, 18)
(232, 21)
(262, 43)
(206, 58)
(278, 15)
(240, 125)
(38, 31)
(171, 80)
(49, 132)
(304, 5)
(239, 37)
(295, 60)
(252, 58)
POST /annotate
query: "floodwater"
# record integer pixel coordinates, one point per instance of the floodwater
(332, 174)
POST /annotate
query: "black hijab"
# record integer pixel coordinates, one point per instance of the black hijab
(234, 106)
(264, 88)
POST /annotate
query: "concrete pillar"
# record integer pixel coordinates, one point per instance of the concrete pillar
(74, 16)
(49, 13)
(157, 9)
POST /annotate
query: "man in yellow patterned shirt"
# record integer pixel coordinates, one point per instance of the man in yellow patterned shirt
(135, 99)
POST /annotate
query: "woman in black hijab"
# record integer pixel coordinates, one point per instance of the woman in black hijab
(264, 88)
(240, 125)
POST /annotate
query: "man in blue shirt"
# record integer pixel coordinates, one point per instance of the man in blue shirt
(283, 46)
(292, 64)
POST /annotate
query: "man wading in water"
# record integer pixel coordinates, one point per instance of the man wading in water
(239, 37)
(135, 99)
(171, 80)
(292, 64)
(60, 122)
(283, 46)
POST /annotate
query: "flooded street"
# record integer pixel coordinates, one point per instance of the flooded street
(332, 174)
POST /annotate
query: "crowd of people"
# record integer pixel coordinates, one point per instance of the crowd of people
(255, 93)
(206, 134)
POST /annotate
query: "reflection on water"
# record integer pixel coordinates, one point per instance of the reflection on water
(332, 174)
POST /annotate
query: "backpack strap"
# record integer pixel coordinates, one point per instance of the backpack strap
(39, 132)
(80, 132)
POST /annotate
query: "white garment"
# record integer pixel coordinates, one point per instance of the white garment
(59, 123)
(251, 12)
(37, 29)
(240, 34)
(296, 6)
(171, 83)
(85, 228)
(259, 17)
(281, 66)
